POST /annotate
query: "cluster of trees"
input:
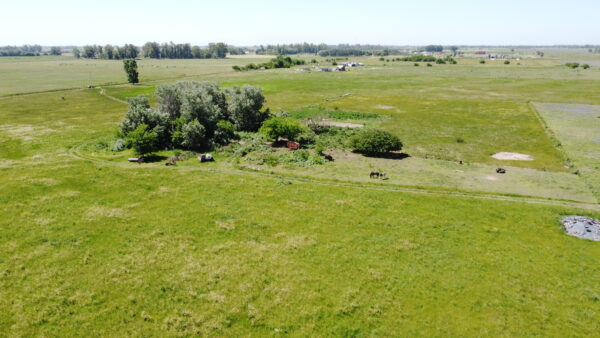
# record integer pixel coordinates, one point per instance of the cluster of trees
(108, 52)
(26, 50)
(290, 49)
(326, 50)
(344, 52)
(192, 115)
(278, 62)
(434, 48)
(423, 58)
(575, 65)
(594, 50)
(185, 51)
(55, 51)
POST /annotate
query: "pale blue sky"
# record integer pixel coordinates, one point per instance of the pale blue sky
(416, 22)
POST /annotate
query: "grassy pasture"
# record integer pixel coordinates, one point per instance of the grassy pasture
(577, 127)
(154, 251)
(106, 247)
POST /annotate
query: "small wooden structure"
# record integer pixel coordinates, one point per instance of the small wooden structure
(292, 145)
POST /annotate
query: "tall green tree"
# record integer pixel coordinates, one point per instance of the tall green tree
(55, 51)
(130, 67)
(217, 50)
(245, 105)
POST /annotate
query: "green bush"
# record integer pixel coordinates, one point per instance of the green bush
(585, 66)
(245, 107)
(572, 65)
(482, 62)
(143, 140)
(193, 136)
(139, 113)
(373, 141)
(282, 127)
(507, 62)
(225, 132)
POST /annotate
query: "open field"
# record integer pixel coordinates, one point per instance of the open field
(577, 127)
(92, 244)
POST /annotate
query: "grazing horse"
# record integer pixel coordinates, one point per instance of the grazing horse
(374, 174)
(501, 171)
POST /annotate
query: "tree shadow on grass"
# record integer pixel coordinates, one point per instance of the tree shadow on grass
(154, 158)
(389, 156)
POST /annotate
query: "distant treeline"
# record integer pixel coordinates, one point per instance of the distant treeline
(278, 62)
(339, 50)
(186, 51)
(108, 52)
(155, 50)
(26, 50)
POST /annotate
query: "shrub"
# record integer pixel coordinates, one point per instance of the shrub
(585, 66)
(572, 65)
(429, 65)
(482, 62)
(193, 136)
(245, 106)
(319, 149)
(139, 113)
(282, 127)
(416, 64)
(143, 140)
(373, 141)
(507, 62)
(225, 132)
(307, 137)
(118, 145)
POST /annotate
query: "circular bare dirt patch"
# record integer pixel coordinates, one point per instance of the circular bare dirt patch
(582, 227)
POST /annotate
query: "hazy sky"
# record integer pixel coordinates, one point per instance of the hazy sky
(237, 22)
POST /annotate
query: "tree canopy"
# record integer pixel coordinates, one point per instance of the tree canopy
(196, 115)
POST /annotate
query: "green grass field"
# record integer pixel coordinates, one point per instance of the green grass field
(92, 244)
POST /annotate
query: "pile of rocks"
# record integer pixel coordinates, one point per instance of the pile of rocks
(582, 227)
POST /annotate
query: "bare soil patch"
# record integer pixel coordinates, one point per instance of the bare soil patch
(384, 107)
(342, 124)
(506, 156)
